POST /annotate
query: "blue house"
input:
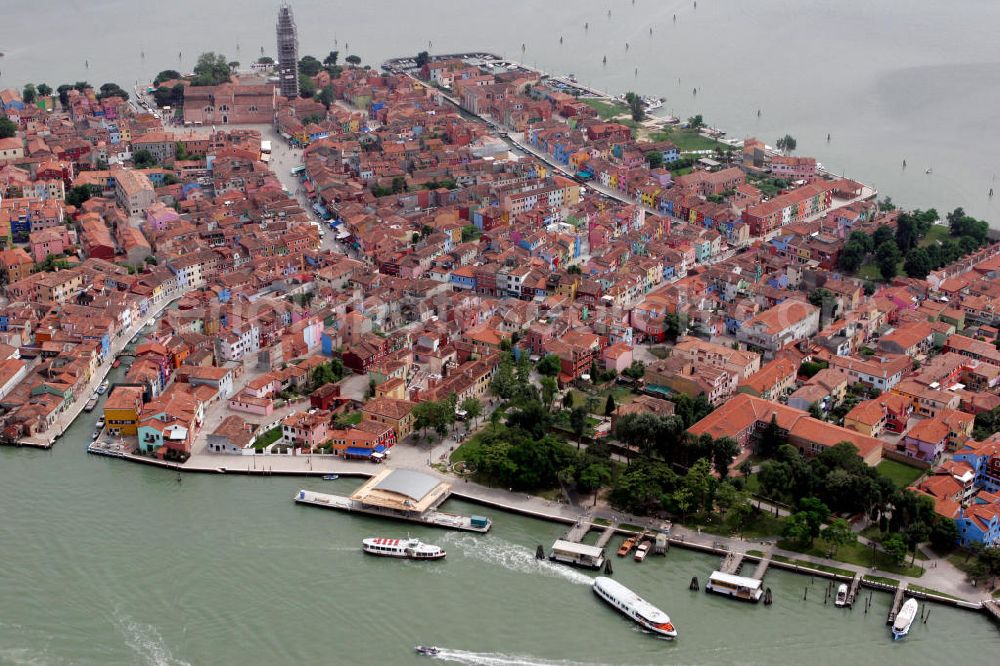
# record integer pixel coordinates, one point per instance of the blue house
(979, 522)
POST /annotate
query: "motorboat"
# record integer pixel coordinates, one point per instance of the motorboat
(641, 551)
(409, 549)
(905, 617)
(97, 433)
(100, 423)
(331, 477)
(102, 388)
(627, 602)
(626, 546)
(841, 595)
(428, 650)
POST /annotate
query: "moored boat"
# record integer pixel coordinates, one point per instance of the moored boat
(643, 613)
(409, 549)
(841, 595)
(102, 388)
(626, 546)
(908, 613)
(330, 477)
(641, 551)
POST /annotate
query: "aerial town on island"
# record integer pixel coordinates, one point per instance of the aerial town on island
(509, 281)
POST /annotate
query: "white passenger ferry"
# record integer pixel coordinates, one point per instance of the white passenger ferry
(645, 614)
(410, 549)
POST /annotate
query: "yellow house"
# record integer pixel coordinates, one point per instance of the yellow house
(392, 412)
(121, 410)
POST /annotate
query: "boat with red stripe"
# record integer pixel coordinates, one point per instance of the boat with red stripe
(409, 549)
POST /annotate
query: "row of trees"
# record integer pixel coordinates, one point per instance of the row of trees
(967, 234)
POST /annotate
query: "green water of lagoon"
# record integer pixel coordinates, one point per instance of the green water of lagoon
(107, 562)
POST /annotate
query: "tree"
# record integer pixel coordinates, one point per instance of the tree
(771, 438)
(353, 60)
(234, 66)
(775, 479)
(472, 407)
(787, 143)
(80, 193)
(325, 96)
(265, 60)
(143, 159)
(655, 159)
(915, 534)
(331, 58)
(44, 89)
(309, 65)
(578, 423)
(724, 450)
(549, 388)
(63, 92)
(423, 58)
(798, 529)
(674, 326)
(29, 94)
(211, 70)
(307, 87)
(610, 406)
(112, 90)
(7, 128)
(917, 264)
(696, 122)
(635, 106)
(825, 301)
(166, 75)
(882, 234)
(894, 546)
(838, 533)
(637, 370)
(888, 255)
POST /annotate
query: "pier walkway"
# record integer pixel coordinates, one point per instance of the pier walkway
(897, 601)
(852, 593)
(578, 531)
(762, 566)
(606, 535)
(731, 563)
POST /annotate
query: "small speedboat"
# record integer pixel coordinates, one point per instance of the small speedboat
(102, 388)
(841, 595)
(627, 546)
(97, 433)
(428, 650)
(330, 477)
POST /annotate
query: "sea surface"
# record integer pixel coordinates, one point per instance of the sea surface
(105, 562)
(888, 80)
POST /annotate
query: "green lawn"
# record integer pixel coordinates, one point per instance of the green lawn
(813, 565)
(473, 444)
(882, 579)
(870, 272)
(761, 525)
(688, 140)
(606, 109)
(268, 438)
(927, 590)
(936, 233)
(900, 474)
(854, 553)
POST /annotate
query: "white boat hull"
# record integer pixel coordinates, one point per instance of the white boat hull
(904, 620)
(631, 606)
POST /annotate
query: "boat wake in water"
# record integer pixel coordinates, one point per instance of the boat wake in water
(502, 659)
(146, 642)
(514, 557)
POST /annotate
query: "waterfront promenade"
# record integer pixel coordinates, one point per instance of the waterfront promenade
(939, 573)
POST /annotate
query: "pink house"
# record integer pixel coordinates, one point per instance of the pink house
(263, 386)
(159, 216)
(617, 357)
(54, 240)
(304, 430)
(250, 404)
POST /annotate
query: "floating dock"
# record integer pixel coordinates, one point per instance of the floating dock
(731, 563)
(401, 494)
(605, 538)
(762, 566)
(111, 449)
